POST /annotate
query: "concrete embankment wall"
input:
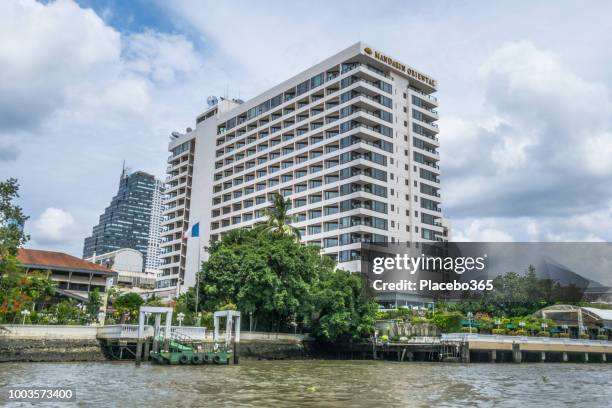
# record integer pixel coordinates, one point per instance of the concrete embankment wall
(268, 350)
(80, 343)
(49, 343)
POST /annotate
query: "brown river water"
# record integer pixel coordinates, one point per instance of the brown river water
(317, 383)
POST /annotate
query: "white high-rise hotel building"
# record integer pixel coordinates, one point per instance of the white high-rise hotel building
(352, 142)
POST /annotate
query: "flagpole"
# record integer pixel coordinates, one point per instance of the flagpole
(198, 274)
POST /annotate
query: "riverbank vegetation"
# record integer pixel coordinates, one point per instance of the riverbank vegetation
(282, 285)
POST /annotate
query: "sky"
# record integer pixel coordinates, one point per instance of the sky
(524, 92)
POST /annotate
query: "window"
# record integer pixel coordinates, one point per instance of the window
(302, 88)
(317, 80)
(314, 229)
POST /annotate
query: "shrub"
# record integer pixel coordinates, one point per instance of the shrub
(498, 331)
(564, 335)
(584, 336)
(520, 332)
(467, 330)
(448, 322)
(602, 337)
(384, 337)
(543, 334)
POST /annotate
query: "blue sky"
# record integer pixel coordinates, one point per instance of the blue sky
(525, 104)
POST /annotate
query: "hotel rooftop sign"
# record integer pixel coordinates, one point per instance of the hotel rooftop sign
(403, 68)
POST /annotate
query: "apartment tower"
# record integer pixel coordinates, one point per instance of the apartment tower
(351, 141)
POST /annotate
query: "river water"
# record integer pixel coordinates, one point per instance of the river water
(318, 383)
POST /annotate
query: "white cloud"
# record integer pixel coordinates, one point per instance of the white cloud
(54, 226)
(483, 230)
(546, 150)
(45, 50)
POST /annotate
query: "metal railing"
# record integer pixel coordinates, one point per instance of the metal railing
(465, 337)
(130, 331)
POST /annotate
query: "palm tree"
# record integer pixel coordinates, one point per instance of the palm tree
(278, 219)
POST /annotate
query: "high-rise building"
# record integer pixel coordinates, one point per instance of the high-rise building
(131, 220)
(175, 216)
(153, 247)
(351, 141)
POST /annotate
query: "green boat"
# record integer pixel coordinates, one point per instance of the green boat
(192, 353)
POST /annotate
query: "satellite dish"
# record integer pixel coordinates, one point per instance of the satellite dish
(212, 100)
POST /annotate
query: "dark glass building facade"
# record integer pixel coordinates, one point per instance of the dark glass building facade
(126, 222)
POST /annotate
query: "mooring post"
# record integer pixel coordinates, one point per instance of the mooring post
(565, 357)
(465, 352)
(493, 356)
(141, 321)
(586, 357)
(543, 356)
(147, 345)
(517, 356)
(156, 333)
(604, 358)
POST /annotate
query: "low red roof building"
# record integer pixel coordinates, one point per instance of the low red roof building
(74, 276)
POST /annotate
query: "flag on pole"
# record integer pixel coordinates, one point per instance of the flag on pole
(195, 230)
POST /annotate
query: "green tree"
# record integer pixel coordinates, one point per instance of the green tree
(12, 220)
(343, 308)
(19, 291)
(278, 281)
(127, 306)
(153, 301)
(519, 295)
(266, 274)
(279, 221)
(448, 322)
(93, 305)
(66, 312)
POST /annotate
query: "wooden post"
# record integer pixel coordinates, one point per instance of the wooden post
(235, 352)
(141, 318)
(465, 352)
(146, 350)
(517, 356)
(156, 333)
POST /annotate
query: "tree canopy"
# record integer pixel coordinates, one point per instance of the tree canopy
(279, 220)
(280, 281)
(12, 220)
(518, 295)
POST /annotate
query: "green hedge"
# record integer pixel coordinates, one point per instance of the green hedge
(467, 330)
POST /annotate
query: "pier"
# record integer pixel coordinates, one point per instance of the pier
(466, 348)
(119, 342)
